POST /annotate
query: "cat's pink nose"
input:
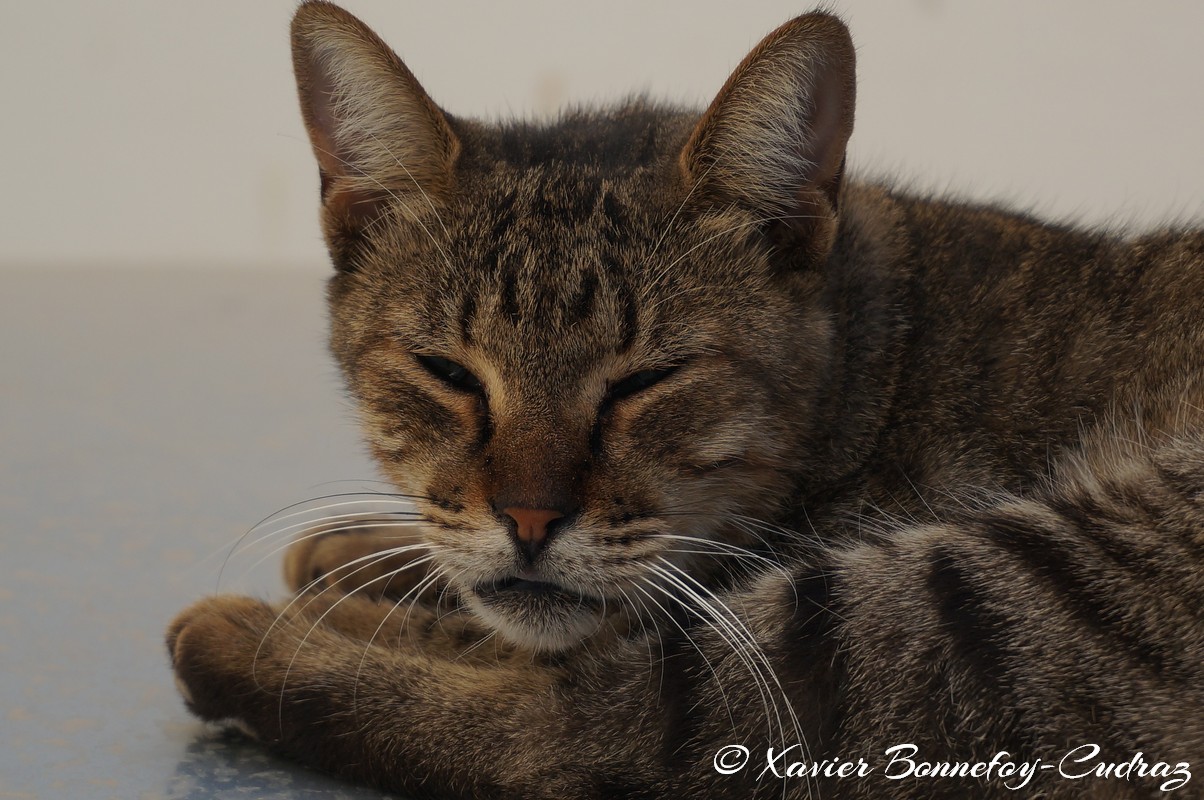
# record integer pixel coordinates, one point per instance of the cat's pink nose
(531, 528)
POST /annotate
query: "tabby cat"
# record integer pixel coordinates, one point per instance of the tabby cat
(736, 477)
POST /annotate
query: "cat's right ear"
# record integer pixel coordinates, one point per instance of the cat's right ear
(773, 141)
(378, 137)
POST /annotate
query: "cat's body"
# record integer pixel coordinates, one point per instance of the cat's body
(941, 466)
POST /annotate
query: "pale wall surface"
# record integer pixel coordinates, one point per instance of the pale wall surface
(164, 133)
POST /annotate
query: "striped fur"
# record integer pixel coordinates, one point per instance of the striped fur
(839, 467)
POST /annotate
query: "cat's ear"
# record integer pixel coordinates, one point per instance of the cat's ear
(377, 135)
(773, 141)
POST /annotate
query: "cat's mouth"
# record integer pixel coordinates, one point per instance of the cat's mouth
(516, 588)
(536, 613)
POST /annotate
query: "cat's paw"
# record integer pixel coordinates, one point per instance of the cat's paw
(378, 562)
(214, 646)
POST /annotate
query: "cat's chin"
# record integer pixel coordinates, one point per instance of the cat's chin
(535, 615)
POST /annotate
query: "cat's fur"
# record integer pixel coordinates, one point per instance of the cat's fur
(944, 463)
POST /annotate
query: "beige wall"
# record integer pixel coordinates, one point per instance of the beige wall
(164, 133)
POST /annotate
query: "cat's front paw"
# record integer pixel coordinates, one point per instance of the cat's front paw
(217, 647)
(380, 562)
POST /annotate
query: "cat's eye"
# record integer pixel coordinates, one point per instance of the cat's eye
(638, 382)
(454, 375)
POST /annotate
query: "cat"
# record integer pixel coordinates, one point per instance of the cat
(737, 477)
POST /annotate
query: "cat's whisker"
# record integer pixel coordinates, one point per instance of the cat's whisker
(729, 619)
(358, 482)
(725, 548)
(398, 518)
(643, 613)
(743, 641)
(690, 509)
(405, 620)
(371, 559)
(307, 521)
(408, 508)
(441, 601)
(416, 590)
(770, 527)
(748, 525)
(745, 526)
(367, 562)
(382, 497)
(601, 615)
(730, 557)
(317, 623)
(276, 516)
(476, 645)
(732, 639)
(730, 635)
(441, 598)
(718, 681)
(326, 530)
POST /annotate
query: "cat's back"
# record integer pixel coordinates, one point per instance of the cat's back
(1024, 334)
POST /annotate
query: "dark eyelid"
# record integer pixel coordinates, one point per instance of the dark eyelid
(455, 375)
(637, 382)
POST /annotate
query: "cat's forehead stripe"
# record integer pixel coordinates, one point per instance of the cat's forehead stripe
(548, 254)
(468, 313)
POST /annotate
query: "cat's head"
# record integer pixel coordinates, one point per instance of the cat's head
(589, 348)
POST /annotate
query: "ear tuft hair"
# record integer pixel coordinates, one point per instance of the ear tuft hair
(774, 139)
(377, 136)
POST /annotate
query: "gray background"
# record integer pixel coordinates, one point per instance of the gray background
(163, 382)
(164, 133)
(149, 419)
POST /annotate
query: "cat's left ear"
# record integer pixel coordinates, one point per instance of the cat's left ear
(773, 141)
(379, 139)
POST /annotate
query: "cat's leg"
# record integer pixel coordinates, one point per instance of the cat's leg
(400, 718)
(380, 560)
(403, 697)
